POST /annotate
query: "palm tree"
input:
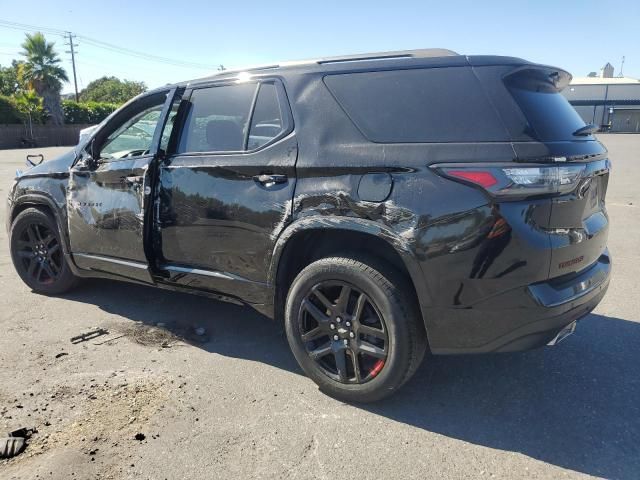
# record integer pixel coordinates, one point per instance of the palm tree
(42, 72)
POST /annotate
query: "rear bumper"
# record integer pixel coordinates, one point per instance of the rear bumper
(546, 309)
(564, 290)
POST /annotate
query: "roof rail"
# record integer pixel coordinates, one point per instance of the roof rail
(260, 67)
(360, 57)
(399, 54)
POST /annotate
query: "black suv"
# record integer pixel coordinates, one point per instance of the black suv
(380, 204)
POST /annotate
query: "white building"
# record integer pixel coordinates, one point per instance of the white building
(612, 103)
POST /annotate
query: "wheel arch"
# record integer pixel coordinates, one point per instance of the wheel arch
(48, 205)
(310, 239)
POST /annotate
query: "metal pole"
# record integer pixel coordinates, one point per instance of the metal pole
(73, 63)
(605, 108)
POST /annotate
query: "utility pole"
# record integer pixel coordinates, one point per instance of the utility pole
(71, 36)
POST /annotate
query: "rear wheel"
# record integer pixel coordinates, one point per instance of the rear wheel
(36, 251)
(353, 329)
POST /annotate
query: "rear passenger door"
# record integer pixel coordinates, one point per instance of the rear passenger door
(226, 186)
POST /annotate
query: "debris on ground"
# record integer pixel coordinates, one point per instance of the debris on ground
(140, 436)
(61, 354)
(16, 442)
(152, 336)
(10, 447)
(108, 340)
(85, 337)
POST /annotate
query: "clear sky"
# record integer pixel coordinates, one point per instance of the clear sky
(580, 36)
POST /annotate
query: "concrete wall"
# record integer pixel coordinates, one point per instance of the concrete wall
(598, 92)
(17, 136)
(584, 92)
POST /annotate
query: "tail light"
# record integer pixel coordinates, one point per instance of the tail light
(503, 181)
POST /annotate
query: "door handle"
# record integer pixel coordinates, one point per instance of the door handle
(134, 179)
(268, 179)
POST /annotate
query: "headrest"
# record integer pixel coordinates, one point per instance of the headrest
(224, 135)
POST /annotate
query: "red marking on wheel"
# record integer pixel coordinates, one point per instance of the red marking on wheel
(377, 367)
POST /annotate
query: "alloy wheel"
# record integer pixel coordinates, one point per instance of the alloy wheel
(38, 249)
(343, 332)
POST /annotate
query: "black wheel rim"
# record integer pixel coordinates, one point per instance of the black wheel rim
(343, 332)
(38, 250)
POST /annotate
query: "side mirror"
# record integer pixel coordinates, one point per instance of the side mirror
(92, 157)
(86, 159)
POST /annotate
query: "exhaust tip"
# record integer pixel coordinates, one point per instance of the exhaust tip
(563, 334)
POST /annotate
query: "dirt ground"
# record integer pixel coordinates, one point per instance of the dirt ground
(232, 403)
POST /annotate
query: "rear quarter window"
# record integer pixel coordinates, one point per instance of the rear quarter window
(418, 105)
(548, 113)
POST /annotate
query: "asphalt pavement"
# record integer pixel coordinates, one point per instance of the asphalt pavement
(111, 361)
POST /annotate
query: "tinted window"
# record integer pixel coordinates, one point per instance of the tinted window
(266, 123)
(420, 105)
(549, 114)
(168, 128)
(217, 119)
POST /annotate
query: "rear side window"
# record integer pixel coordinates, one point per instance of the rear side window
(266, 122)
(548, 112)
(217, 119)
(418, 105)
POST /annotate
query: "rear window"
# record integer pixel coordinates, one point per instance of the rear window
(418, 105)
(548, 113)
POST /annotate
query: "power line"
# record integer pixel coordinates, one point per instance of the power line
(29, 28)
(145, 56)
(106, 46)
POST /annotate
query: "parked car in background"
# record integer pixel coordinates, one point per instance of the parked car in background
(381, 205)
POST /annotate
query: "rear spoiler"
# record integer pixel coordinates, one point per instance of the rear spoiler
(538, 78)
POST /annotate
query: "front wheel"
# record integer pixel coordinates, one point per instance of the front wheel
(353, 329)
(36, 251)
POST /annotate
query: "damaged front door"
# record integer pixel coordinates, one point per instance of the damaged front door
(110, 189)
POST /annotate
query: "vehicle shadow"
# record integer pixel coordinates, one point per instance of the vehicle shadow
(576, 405)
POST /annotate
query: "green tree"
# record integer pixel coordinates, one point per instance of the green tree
(10, 83)
(29, 104)
(111, 90)
(42, 72)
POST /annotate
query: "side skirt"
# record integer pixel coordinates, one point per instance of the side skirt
(265, 308)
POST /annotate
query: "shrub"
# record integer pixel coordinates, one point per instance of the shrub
(22, 108)
(14, 110)
(8, 111)
(86, 113)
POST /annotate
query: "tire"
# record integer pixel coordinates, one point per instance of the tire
(37, 253)
(387, 350)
